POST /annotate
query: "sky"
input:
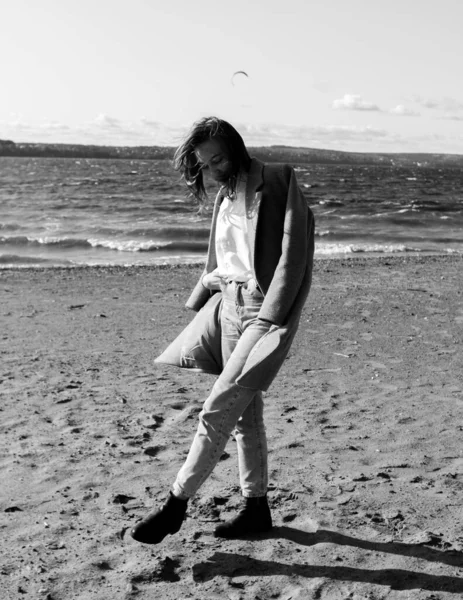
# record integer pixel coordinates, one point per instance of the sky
(353, 75)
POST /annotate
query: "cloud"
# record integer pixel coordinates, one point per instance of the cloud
(21, 131)
(105, 130)
(151, 124)
(402, 111)
(107, 122)
(108, 130)
(54, 126)
(102, 130)
(447, 104)
(452, 117)
(317, 136)
(354, 102)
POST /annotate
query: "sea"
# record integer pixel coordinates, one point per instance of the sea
(123, 212)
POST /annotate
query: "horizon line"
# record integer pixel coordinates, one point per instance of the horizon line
(269, 146)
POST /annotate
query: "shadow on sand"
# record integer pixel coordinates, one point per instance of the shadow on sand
(235, 565)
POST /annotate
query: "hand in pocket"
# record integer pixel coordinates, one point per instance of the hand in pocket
(212, 281)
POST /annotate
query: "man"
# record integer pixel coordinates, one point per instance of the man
(249, 297)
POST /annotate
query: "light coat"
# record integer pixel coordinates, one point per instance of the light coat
(283, 262)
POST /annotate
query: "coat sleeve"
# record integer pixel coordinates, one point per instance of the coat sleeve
(200, 294)
(297, 248)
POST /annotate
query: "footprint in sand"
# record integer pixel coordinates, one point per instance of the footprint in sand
(165, 569)
(153, 450)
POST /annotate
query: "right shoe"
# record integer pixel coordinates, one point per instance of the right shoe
(254, 517)
(167, 520)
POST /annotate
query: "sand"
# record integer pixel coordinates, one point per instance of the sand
(364, 424)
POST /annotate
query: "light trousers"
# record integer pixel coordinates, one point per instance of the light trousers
(231, 407)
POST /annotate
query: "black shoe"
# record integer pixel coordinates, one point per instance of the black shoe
(254, 517)
(168, 519)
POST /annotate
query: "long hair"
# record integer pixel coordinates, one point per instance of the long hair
(186, 161)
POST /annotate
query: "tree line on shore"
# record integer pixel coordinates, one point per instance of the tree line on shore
(289, 154)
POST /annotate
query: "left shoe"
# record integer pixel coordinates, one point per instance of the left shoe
(254, 517)
(155, 526)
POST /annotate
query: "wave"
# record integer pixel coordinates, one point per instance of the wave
(336, 249)
(67, 243)
(62, 242)
(149, 245)
(324, 250)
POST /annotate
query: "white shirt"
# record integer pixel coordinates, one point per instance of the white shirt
(235, 237)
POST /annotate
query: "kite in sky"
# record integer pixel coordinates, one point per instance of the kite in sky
(236, 74)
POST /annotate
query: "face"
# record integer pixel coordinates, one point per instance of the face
(213, 157)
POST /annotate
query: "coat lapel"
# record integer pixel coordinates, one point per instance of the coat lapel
(211, 261)
(253, 199)
(254, 183)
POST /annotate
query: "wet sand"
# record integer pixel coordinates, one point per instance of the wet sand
(364, 424)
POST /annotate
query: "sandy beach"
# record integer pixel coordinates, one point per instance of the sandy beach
(365, 425)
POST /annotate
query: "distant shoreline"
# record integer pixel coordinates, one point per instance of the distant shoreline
(290, 154)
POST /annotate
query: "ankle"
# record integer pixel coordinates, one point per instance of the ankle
(255, 501)
(178, 496)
